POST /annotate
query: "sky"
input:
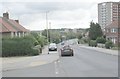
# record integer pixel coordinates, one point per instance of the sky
(60, 13)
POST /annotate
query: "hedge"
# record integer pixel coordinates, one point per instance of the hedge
(18, 46)
(93, 43)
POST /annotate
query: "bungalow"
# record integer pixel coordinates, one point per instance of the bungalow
(112, 32)
(11, 28)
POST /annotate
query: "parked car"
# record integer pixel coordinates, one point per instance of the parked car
(52, 47)
(67, 51)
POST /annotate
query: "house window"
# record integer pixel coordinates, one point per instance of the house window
(113, 30)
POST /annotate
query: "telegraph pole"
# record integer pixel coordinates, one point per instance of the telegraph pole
(47, 30)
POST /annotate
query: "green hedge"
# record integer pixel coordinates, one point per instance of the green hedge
(93, 43)
(18, 46)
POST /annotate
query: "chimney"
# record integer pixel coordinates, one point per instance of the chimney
(17, 21)
(6, 15)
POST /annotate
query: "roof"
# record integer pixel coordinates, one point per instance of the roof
(9, 25)
(108, 2)
(113, 24)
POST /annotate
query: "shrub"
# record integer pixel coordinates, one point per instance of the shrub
(83, 40)
(18, 46)
(39, 40)
(115, 48)
(93, 43)
(108, 44)
(101, 40)
(38, 47)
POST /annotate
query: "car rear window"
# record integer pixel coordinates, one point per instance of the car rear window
(66, 47)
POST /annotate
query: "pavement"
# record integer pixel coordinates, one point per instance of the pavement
(12, 63)
(101, 50)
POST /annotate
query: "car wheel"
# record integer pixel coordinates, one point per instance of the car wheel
(61, 55)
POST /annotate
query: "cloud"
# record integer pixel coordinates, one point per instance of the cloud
(61, 13)
(52, 6)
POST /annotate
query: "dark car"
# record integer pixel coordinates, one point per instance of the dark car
(67, 51)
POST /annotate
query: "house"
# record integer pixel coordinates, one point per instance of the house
(11, 28)
(112, 32)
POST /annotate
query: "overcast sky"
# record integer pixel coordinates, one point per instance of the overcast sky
(61, 13)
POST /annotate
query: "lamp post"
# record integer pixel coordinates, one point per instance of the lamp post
(50, 32)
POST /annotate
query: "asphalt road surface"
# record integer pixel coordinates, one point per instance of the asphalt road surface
(84, 63)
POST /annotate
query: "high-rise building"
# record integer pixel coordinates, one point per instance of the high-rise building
(119, 12)
(107, 13)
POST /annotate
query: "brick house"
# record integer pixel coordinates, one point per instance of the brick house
(112, 32)
(11, 28)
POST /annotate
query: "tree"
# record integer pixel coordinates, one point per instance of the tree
(53, 35)
(95, 31)
(79, 35)
(44, 33)
(70, 35)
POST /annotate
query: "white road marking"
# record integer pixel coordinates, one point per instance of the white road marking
(56, 72)
(53, 52)
(58, 61)
(56, 68)
(55, 62)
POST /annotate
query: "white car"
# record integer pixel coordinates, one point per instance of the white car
(52, 47)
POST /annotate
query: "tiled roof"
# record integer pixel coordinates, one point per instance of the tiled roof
(113, 24)
(9, 25)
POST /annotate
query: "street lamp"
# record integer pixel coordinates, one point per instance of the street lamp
(50, 32)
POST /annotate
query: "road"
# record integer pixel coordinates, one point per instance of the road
(84, 63)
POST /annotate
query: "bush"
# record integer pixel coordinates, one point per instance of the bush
(39, 40)
(108, 44)
(83, 40)
(93, 43)
(115, 48)
(101, 40)
(18, 46)
(38, 47)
